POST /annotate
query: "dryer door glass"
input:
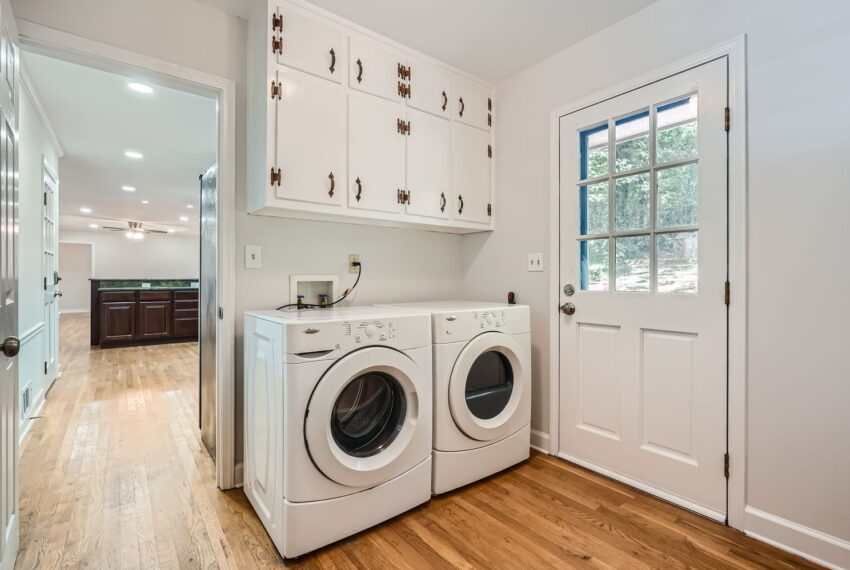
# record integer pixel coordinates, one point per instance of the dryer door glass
(489, 385)
(368, 414)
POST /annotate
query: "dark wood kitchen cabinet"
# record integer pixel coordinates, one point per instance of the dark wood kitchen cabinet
(155, 319)
(142, 316)
(117, 322)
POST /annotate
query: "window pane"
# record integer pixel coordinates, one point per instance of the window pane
(631, 197)
(632, 255)
(631, 148)
(677, 196)
(594, 208)
(594, 152)
(594, 264)
(677, 257)
(676, 135)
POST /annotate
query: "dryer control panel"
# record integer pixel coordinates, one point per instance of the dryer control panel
(464, 325)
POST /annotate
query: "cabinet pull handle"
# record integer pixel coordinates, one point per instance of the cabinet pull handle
(359, 189)
(359, 71)
(445, 100)
(333, 185)
(333, 60)
(442, 201)
(460, 199)
(462, 107)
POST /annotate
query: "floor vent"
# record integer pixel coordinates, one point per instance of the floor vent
(26, 401)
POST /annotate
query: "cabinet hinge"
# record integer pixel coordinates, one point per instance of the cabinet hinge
(277, 22)
(403, 196)
(726, 465)
(726, 119)
(403, 90)
(276, 176)
(277, 45)
(489, 104)
(727, 290)
(489, 120)
(402, 127)
(277, 90)
(404, 71)
(489, 209)
(490, 150)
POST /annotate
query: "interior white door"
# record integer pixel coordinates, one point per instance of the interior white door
(308, 44)
(430, 88)
(376, 149)
(374, 68)
(208, 315)
(311, 156)
(472, 103)
(643, 244)
(429, 165)
(50, 274)
(471, 174)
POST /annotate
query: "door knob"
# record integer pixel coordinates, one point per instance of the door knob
(11, 346)
(568, 308)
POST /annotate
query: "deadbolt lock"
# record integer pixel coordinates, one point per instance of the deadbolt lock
(569, 289)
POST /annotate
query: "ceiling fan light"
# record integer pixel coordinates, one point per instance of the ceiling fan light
(129, 235)
(139, 235)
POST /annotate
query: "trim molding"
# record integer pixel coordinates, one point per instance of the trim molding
(39, 110)
(540, 441)
(811, 544)
(31, 333)
(65, 311)
(240, 474)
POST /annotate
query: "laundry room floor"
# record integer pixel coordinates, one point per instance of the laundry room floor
(115, 476)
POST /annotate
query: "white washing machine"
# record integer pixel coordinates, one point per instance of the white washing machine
(338, 420)
(482, 388)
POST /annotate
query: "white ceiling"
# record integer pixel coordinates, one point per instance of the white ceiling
(493, 39)
(96, 118)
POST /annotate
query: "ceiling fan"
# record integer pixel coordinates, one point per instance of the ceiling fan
(134, 230)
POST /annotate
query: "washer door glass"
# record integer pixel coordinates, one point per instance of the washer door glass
(368, 414)
(489, 385)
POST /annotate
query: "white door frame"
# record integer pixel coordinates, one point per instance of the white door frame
(109, 58)
(735, 51)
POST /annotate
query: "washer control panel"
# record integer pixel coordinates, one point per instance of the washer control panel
(369, 331)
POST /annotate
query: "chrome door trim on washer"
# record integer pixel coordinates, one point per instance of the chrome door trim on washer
(401, 452)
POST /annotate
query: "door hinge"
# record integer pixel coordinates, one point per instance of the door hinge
(277, 45)
(403, 90)
(45, 367)
(404, 71)
(277, 90)
(45, 198)
(489, 209)
(727, 290)
(726, 119)
(490, 150)
(402, 127)
(276, 176)
(277, 22)
(726, 465)
(45, 283)
(220, 313)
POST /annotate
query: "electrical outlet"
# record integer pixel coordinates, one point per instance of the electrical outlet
(535, 262)
(351, 259)
(253, 257)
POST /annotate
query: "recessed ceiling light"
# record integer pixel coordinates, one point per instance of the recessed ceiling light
(93, 226)
(128, 188)
(189, 206)
(145, 202)
(133, 154)
(85, 210)
(184, 218)
(140, 88)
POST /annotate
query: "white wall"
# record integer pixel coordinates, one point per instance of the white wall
(799, 384)
(75, 267)
(154, 257)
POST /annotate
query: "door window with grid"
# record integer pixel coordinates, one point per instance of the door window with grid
(639, 201)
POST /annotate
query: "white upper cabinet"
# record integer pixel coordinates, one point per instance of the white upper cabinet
(376, 147)
(311, 157)
(430, 88)
(471, 174)
(375, 69)
(472, 103)
(305, 42)
(429, 166)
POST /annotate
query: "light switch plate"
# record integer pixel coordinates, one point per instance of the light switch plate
(535, 262)
(253, 257)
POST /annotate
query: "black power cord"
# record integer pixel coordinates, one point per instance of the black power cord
(347, 292)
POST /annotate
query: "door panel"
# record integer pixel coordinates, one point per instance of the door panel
(185, 325)
(311, 156)
(310, 45)
(154, 319)
(376, 152)
(471, 174)
(471, 102)
(429, 165)
(430, 88)
(643, 242)
(374, 69)
(117, 322)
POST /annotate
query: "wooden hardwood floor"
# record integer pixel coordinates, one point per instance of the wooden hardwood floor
(114, 476)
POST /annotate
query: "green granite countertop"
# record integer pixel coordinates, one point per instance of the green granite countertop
(147, 288)
(154, 284)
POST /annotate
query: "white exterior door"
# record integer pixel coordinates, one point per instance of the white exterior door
(376, 151)
(643, 245)
(471, 174)
(50, 275)
(429, 165)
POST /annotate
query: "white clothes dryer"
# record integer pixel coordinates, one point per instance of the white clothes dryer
(482, 388)
(338, 420)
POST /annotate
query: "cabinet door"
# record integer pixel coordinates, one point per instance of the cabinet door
(375, 153)
(310, 140)
(430, 88)
(154, 319)
(374, 69)
(309, 44)
(429, 165)
(471, 103)
(471, 174)
(117, 322)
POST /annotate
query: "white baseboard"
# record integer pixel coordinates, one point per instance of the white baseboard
(240, 471)
(540, 441)
(64, 311)
(811, 544)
